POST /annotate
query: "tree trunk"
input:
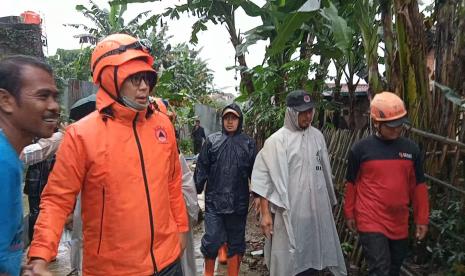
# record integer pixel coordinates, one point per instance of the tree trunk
(321, 74)
(392, 67)
(412, 57)
(352, 89)
(306, 54)
(450, 64)
(444, 57)
(337, 100)
(236, 40)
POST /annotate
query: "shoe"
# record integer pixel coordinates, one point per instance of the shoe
(209, 268)
(223, 254)
(234, 264)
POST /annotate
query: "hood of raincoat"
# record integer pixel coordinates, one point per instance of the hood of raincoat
(236, 108)
(291, 120)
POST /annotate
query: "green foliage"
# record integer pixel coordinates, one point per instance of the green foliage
(186, 146)
(347, 248)
(111, 21)
(265, 109)
(186, 79)
(449, 231)
(286, 30)
(161, 48)
(71, 64)
(343, 35)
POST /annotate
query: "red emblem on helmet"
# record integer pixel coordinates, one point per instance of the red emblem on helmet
(306, 98)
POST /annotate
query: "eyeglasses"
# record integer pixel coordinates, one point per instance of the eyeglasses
(149, 78)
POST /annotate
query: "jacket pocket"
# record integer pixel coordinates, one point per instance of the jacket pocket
(101, 221)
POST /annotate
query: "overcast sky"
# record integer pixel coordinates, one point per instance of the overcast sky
(216, 47)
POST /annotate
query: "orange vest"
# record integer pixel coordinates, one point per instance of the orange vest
(128, 169)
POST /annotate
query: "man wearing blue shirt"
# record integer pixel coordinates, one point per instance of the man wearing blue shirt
(28, 109)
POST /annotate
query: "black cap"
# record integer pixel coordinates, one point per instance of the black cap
(299, 100)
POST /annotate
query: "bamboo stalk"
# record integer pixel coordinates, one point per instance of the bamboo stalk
(436, 137)
(445, 184)
(450, 152)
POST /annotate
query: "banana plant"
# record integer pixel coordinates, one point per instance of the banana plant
(411, 46)
(219, 12)
(111, 21)
(349, 55)
(366, 12)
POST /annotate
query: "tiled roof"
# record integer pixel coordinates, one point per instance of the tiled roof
(345, 88)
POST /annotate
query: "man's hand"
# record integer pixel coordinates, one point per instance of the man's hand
(351, 225)
(421, 231)
(69, 222)
(266, 224)
(37, 267)
(183, 241)
(256, 205)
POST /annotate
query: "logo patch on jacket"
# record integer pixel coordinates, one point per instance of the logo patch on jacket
(405, 155)
(319, 166)
(160, 134)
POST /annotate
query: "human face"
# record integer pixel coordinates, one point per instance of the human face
(137, 87)
(388, 133)
(230, 123)
(305, 118)
(36, 112)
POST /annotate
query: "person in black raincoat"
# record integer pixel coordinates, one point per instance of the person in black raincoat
(225, 163)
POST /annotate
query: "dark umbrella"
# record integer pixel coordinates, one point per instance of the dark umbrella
(82, 107)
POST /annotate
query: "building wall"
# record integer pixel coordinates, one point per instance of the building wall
(20, 39)
(209, 118)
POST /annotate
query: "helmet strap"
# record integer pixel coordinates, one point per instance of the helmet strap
(115, 81)
(377, 128)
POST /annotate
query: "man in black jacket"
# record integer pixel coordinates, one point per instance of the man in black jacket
(198, 135)
(225, 163)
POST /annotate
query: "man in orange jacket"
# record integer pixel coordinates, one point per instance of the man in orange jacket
(124, 160)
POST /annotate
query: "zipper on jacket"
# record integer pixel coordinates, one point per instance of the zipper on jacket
(147, 193)
(101, 221)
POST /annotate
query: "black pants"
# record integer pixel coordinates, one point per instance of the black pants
(384, 256)
(220, 228)
(174, 269)
(197, 146)
(34, 202)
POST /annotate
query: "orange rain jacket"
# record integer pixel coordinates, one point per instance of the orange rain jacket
(127, 166)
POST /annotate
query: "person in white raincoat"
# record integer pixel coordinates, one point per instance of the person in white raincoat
(292, 176)
(189, 193)
(190, 197)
